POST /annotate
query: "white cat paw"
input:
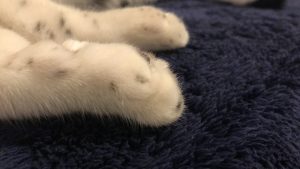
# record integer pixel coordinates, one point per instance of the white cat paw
(154, 29)
(153, 93)
(133, 84)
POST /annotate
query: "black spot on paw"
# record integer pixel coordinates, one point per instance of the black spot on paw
(113, 87)
(51, 35)
(68, 32)
(141, 79)
(149, 29)
(62, 22)
(38, 26)
(146, 55)
(179, 105)
(61, 73)
(30, 61)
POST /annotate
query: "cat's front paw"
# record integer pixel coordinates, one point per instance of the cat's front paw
(132, 84)
(153, 94)
(154, 29)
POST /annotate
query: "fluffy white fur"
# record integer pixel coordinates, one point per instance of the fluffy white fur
(42, 73)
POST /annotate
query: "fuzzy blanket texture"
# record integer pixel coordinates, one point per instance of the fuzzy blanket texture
(241, 79)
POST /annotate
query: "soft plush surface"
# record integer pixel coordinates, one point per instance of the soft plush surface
(241, 78)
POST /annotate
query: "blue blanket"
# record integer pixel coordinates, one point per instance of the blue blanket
(241, 79)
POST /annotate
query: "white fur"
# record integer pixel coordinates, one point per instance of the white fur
(42, 77)
(145, 27)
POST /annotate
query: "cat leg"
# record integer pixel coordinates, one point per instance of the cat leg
(47, 79)
(146, 27)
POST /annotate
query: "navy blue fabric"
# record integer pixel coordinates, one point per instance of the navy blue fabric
(241, 79)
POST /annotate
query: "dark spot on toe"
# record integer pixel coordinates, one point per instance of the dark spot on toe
(149, 29)
(113, 87)
(30, 61)
(179, 105)
(146, 56)
(62, 22)
(145, 28)
(38, 26)
(141, 79)
(60, 73)
(68, 32)
(51, 35)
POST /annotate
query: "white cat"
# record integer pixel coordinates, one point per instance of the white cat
(44, 72)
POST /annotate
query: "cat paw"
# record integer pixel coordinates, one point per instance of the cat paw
(154, 29)
(135, 85)
(163, 102)
(153, 94)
